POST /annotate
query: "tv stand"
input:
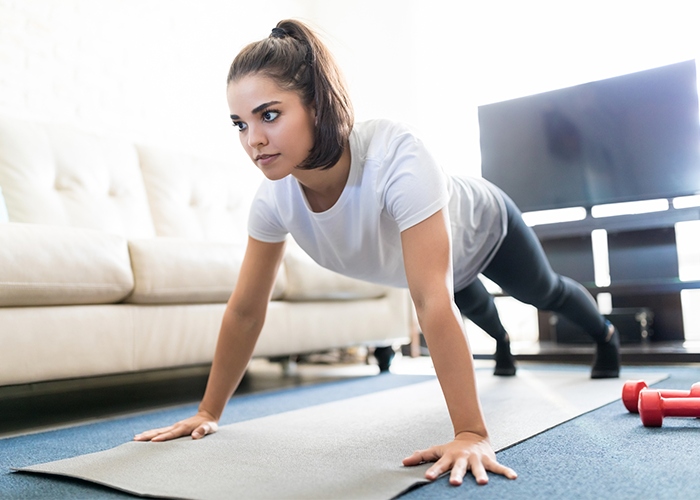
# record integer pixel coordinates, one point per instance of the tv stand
(643, 264)
(620, 223)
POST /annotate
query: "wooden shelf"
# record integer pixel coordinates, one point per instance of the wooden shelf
(621, 223)
(649, 353)
(659, 286)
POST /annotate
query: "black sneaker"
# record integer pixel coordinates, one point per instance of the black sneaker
(505, 362)
(607, 356)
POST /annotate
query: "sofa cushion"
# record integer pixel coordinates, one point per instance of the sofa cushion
(181, 271)
(56, 175)
(47, 265)
(195, 198)
(308, 281)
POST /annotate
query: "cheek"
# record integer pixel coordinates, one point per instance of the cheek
(309, 130)
(244, 143)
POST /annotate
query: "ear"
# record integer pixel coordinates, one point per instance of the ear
(311, 109)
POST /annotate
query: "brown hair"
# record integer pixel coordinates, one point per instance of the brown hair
(297, 60)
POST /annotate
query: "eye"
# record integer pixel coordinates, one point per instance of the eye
(240, 126)
(270, 115)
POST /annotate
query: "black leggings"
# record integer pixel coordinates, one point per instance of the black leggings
(520, 267)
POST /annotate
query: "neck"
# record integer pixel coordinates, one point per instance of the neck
(324, 187)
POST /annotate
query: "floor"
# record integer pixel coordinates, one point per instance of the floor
(44, 406)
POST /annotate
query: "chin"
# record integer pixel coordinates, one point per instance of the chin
(275, 174)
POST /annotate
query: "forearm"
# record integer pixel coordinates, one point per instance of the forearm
(234, 350)
(443, 329)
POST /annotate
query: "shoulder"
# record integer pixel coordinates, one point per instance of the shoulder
(266, 220)
(383, 130)
(382, 139)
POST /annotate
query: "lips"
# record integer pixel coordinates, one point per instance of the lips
(265, 157)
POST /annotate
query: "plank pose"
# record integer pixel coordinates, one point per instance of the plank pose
(368, 200)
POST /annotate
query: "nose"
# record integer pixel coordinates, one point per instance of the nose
(256, 137)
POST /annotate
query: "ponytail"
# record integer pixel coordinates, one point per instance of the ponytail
(297, 60)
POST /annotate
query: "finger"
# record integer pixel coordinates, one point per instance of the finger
(414, 459)
(497, 468)
(418, 457)
(442, 465)
(478, 470)
(148, 435)
(176, 432)
(459, 469)
(204, 429)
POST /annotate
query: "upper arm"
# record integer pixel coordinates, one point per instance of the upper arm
(257, 277)
(428, 259)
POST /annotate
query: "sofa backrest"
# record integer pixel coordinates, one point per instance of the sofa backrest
(194, 198)
(56, 175)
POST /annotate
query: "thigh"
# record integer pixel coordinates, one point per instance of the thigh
(520, 266)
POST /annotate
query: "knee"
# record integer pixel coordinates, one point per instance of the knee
(471, 307)
(556, 296)
(476, 309)
(549, 295)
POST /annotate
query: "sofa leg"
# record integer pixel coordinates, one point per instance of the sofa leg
(384, 356)
(287, 363)
(289, 366)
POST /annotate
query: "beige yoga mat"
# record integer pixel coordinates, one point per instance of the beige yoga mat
(349, 449)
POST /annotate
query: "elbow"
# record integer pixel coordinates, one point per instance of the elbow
(427, 304)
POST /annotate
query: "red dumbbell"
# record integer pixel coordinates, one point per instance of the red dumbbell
(653, 408)
(632, 388)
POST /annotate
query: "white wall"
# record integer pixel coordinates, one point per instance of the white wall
(148, 70)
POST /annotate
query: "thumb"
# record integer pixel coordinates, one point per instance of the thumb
(203, 430)
(200, 431)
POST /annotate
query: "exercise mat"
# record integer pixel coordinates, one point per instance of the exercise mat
(348, 449)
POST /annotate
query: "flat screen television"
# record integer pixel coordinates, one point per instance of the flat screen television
(627, 138)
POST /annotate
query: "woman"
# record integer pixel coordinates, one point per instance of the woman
(367, 200)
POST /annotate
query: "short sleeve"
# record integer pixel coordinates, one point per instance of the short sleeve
(264, 222)
(416, 185)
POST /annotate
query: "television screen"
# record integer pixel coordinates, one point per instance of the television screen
(628, 138)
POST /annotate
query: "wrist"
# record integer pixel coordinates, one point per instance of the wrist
(481, 433)
(208, 414)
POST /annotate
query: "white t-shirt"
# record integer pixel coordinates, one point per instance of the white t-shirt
(394, 183)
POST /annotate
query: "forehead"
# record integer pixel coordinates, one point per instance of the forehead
(249, 92)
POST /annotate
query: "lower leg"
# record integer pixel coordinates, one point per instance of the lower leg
(477, 304)
(577, 305)
(607, 355)
(573, 301)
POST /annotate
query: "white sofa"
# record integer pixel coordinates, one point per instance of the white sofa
(119, 258)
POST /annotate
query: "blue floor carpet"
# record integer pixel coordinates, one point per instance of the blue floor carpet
(603, 454)
(65, 443)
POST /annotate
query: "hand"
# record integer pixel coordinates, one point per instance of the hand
(468, 451)
(200, 425)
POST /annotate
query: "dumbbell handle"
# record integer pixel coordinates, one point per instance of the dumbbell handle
(653, 407)
(632, 388)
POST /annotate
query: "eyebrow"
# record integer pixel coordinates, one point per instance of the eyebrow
(257, 109)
